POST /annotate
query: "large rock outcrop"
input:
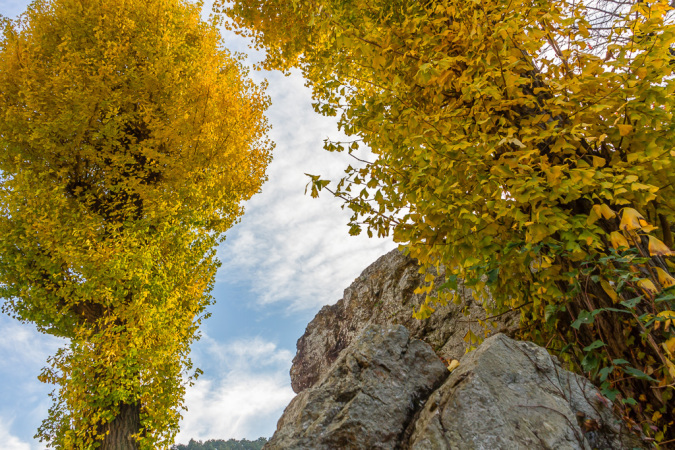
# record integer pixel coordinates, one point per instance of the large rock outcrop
(511, 394)
(384, 294)
(368, 397)
(389, 391)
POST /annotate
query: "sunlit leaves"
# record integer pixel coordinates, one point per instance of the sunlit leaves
(631, 220)
(510, 138)
(665, 279)
(129, 140)
(658, 248)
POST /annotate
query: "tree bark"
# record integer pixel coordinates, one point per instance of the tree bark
(122, 428)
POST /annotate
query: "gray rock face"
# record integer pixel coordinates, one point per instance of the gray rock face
(367, 398)
(384, 294)
(512, 395)
(388, 391)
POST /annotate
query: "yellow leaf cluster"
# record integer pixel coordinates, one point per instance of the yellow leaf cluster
(130, 139)
(505, 147)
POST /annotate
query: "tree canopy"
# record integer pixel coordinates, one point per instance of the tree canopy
(526, 146)
(129, 139)
(220, 444)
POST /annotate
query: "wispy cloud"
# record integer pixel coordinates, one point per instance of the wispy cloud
(9, 441)
(246, 395)
(23, 352)
(289, 247)
(22, 343)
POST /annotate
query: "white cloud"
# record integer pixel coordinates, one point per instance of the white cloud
(289, 247)
(21, 343)
(12, 8)
(23, 352)
(246, 396)
(9, 441)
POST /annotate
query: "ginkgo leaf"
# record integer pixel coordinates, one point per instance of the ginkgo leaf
(647, 286)
(665, 317)
(664, 277)
(424, 312)
(617, 240)
(624, 129)
(598, 161)
(671, 368)
(607, 212)
(632, 220)
(658, 248)
(648, 228)
(453, 365)
(609, 290)
(603, 211)
(669, 346)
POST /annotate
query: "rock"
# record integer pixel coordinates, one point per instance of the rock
(368, 397)
(384, 294)
(510, 394)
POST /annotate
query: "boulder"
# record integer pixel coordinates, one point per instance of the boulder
(510, 394)
(367, 399)
(384, 294)
(389, 391)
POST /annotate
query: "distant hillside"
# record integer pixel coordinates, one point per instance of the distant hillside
(220, 444)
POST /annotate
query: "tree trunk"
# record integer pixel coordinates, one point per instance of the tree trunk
(122, 428)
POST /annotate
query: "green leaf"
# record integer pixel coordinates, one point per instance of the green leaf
(585, 317)
(665, 298)
(632, 303)
(589, 363)
(450, 283)
(594, 345)
(551, 311)
(608, 392)
(604, 372)
(640, 375)
(493, 276)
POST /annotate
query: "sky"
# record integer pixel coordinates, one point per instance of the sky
(289, 256)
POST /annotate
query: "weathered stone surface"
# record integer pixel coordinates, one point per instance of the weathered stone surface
(510, 394)
(384, 294)
(367, 398)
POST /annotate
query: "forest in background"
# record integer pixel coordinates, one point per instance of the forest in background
(220, 444)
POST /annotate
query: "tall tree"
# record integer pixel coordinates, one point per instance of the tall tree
(526, 145)
(129, 139)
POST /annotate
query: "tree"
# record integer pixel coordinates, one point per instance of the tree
(130, 139)
(524, 145)
(230, 444)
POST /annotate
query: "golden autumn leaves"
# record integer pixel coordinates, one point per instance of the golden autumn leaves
(633, 226)
(130, 139)
(513, 143)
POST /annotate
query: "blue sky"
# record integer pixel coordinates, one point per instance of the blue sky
(289, 256)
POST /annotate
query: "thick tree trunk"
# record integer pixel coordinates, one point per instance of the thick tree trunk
(119, 431)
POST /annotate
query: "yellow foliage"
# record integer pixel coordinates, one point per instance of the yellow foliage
(632, 220)
(664, 277)
(647, 286)
(129, 140)
(666, 317)
(618, 241)
(453, 365)
(497, 123)
(609, 290)
(658, 248)
(669, 346)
